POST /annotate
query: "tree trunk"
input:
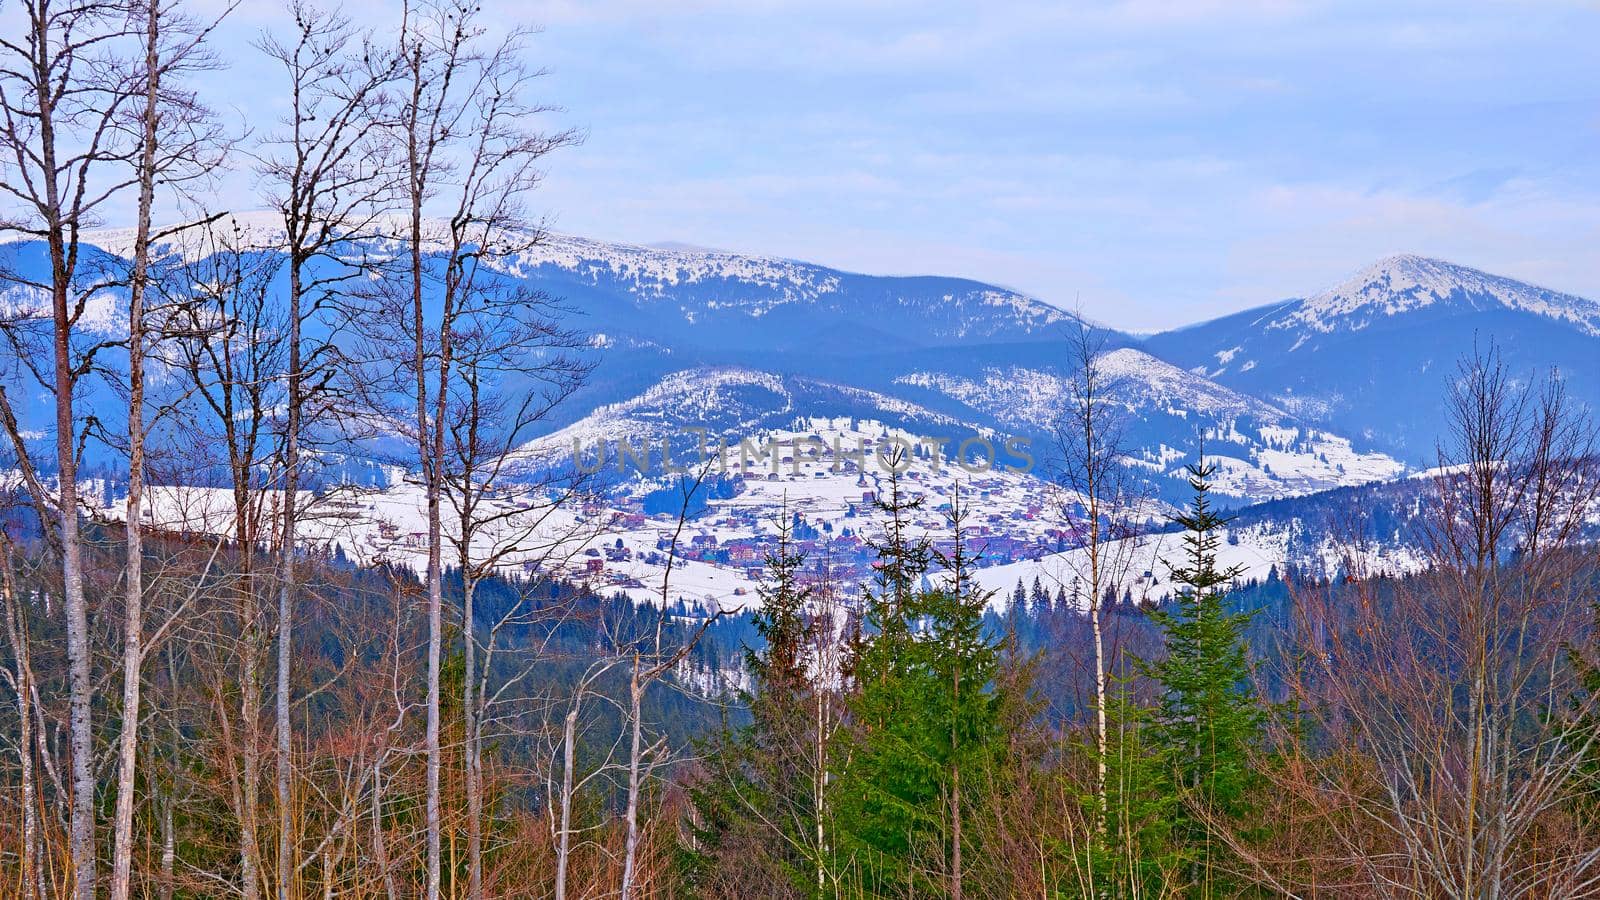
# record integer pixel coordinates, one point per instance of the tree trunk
(79, 675)
(819, 780)
(631, 851)
(430, 439)
(16, 629)
(1099, 711)
(250, 717)
(1096, 595)
(241, 465)
(955, 849)
(133, 577)
(380, 847)
(473, 749)
(169, 848)
(286, 575)
(569, 737)
(169, 825)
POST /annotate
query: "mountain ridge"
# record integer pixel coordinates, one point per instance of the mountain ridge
(1365, 359)
(1401, 283)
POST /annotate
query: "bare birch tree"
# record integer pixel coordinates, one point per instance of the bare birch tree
(175, 145)
(1099, 500)
(468, 144)
(66, 89)
(329, 181)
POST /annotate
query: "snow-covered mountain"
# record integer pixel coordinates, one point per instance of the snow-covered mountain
(687, 338)
(727, 307)
(1403, 284)
(730, 404)
(1373, 355)
(1337, 391)
(1171, 416)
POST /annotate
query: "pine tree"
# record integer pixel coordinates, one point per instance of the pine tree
(1207, 721)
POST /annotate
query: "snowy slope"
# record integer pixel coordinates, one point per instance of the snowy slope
(1402, 284)
(1372, 356)
(732, 404)
(1170, 415)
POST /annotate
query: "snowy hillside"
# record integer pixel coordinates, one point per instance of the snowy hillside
(732, 404)
(1405, 283)
(1372, 356)
(806, 363)
(1171, 415)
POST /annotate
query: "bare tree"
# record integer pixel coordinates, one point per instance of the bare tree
(571, 784)
(652, 655)
(66, 89)
(466, 130)
(222, 330)
(1099, 500)
(31, 878)
(1448, 763)
(499, 522)
(174, 146)
(329, 180)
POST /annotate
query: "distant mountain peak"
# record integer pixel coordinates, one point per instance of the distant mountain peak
(1407, 282)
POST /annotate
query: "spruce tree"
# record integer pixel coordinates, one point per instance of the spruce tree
(1208, 720)
(928, 720)
(884, 782)
(1585, 729)
(750, 809)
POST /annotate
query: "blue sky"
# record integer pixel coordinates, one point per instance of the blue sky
(1156, 161)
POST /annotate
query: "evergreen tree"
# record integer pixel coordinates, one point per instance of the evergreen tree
(1136, 855)
(1207, 721)
(965, 705)
(751, 808)
(779, 666)
(928, 720)
(883, 787)
(1586, 724)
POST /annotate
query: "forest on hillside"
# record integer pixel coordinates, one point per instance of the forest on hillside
(230, 710)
